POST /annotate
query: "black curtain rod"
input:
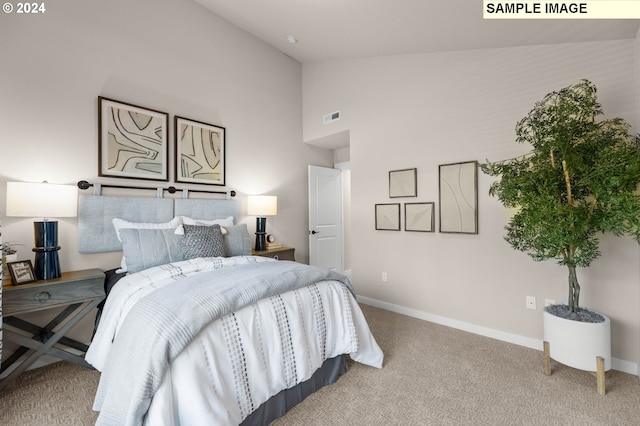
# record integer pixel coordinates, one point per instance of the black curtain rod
(83, 184)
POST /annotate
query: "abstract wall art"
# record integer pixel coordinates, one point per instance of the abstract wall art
(388, 217)
(459, 197)
(419, 217)
(132, 141)
(403, 183)
(200, 152)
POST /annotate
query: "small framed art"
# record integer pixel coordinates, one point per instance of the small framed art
(21, 272)
(459, 197)
(199, 152)
(419, 217)
(132, 141)
(388, 217)
(403, 183)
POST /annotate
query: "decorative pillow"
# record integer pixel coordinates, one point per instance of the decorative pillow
(203, 241)
(237, 240)
(121, 224)
(145, 248)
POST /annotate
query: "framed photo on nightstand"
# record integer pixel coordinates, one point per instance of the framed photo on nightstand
(21, 272)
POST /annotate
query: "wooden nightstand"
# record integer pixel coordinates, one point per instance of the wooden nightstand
(78, 291)
(282, 253)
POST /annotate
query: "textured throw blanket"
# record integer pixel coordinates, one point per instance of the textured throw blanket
(160, 325)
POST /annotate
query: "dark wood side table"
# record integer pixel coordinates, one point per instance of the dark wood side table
(78, 291)
(281, 253)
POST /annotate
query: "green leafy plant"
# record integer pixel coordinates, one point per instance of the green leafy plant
(9, 248)
(580, 180)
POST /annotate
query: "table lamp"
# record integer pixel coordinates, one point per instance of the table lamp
(261, 206)
(43, 200)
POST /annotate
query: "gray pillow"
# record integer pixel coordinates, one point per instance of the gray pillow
(145, 248)
(203, 241)
(237, 240)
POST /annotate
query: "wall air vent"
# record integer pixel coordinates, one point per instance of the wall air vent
(328, 118)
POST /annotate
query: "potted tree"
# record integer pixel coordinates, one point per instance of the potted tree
(579, 181)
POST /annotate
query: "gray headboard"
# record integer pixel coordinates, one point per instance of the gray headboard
(96, 212)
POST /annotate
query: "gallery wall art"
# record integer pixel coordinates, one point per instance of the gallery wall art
(388, 217)
(458, 188)
(419, 217)
(132, 141)
(200, 152)
(403, 183)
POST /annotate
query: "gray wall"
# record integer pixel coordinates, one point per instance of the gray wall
(424, 110)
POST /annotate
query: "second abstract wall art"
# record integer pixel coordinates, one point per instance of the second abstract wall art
(458, 189)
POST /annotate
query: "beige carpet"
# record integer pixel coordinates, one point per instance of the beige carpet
(433, 375)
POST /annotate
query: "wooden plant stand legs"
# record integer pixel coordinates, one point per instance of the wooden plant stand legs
(602, 387)
(547, 359)
(599, 374)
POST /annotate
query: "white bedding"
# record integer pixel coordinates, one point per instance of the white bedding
(242, 359)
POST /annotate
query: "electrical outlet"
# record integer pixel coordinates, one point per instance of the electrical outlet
(384, 277)
(548, 302)
(531, 302)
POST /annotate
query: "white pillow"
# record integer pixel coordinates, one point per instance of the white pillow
(119, 224)
(202, 222)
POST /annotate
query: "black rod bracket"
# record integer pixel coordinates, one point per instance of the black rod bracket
(83, 184)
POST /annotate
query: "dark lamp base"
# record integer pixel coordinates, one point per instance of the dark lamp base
(47, 263)
(261, 234)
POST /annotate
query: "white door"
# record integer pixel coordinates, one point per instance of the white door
(325, 218)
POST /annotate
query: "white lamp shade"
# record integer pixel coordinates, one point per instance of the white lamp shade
(44, 200)
(262, 205)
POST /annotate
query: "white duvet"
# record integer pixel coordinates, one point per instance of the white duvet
(242, 359)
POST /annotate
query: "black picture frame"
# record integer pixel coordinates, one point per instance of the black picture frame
(133, 141)
(388, 217)
(21, 272)
(458, 192)
(419, 217)
(403, 183)
(199, 152)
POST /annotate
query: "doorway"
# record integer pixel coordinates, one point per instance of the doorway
(326, 243)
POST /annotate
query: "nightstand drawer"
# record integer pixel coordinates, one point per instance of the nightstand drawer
(283, 253)
(68, 289)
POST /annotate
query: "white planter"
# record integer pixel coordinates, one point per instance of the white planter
(7, 259)
(578, 344)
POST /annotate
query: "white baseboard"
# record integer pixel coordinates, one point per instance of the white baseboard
(616, 364)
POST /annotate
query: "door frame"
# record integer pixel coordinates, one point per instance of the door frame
(339, 219)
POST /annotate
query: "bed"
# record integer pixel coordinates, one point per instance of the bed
(197, 331)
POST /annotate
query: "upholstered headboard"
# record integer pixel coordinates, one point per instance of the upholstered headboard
(96, 213)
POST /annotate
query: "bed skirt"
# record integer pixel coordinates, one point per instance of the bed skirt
(279, 404)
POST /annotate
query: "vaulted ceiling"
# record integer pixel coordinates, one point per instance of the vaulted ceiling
(339, 29)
